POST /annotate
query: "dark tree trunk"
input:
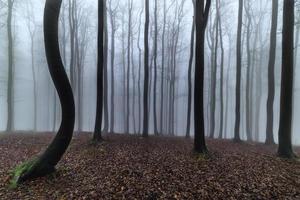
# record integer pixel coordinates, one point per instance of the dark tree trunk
(146, 70)
(201, 16)
(10, 82)
(99, 110)
(271, 75)
(188, 126)
(46, 163)
(238, 74)
(286, 95)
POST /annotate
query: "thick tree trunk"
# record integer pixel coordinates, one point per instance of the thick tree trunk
(201, 15)
(146, 70)
(271, 75)
(46, 163)
(286, 95)
(238, 74)
(99, 110)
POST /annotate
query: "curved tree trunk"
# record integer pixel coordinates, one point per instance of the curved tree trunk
(46, 163)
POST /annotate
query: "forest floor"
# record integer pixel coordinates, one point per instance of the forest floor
(130, 167)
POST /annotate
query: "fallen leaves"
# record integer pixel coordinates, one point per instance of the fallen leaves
(128, 167)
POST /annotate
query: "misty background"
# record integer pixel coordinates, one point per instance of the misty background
(28, 15)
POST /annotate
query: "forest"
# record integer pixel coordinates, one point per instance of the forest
(150, 99)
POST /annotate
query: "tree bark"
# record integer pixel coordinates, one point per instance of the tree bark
(46, 163)
(201, 16)
(146, 70)
(238, 74)
(271, 75)
(286, 95)
(99, 110)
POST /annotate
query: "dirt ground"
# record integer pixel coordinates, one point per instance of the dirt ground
(130, 167)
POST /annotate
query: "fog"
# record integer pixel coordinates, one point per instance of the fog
(28, 14)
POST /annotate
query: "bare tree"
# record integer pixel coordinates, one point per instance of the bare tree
(46, 162)
(271, 74)
(286, 95)
(10, 82)
(146, 70)
(99, 110)
(238, 74)
(201, 16)
(187, 135)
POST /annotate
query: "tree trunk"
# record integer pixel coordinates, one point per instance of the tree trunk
(221, 72)
(188, 126)
(248, 75)
(139, 73)
(162, 70)
(99, 110)
(271, 75)
(46, 163)
(146, 70)
(112, 62)
(155, 69)
(10, 82)
(105, 75)
(201, 15)
(238, 74)
(286, 95)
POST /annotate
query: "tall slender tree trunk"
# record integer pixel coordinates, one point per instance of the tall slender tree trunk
(214, 81)
(146, 70)
(162, 69)
(105, 75)
(221, 72)
(155, 69)
(100, 65)
(238, 74)
(128, 66)
(112, 62)
(10, 82)
(271, 75)
(286, 95)
(248, 75)
(139, 73)
(188, 126)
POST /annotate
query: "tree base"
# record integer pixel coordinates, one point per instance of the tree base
(287, 155)
(237, 140)
(269, 142)
(29, 170)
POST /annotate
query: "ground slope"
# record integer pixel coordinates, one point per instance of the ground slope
(129, 167)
